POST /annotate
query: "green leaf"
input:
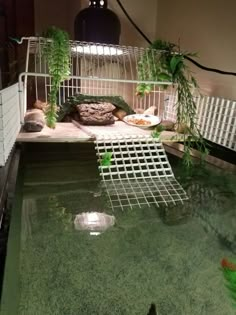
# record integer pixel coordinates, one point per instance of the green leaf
(143, 89)
(156, 134)
(106, 159)
(174, 62)
(160, 128)
(157, 131)
(164, 77)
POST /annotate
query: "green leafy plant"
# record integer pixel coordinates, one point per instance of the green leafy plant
(229, 271)
(157, 131)
(168, 65)
(57, 53)
(106, 159)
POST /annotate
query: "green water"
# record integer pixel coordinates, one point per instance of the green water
(169, 257)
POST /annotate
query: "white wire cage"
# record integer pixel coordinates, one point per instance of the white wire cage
(109, 70)
(114, 71)
(96, 69)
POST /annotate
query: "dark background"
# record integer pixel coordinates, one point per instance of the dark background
(16, 20)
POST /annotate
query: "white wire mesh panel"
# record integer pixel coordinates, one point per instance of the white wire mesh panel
(93, 60)
(139, 174)
(216, 118)
(96, 69)
(170, 100)
(9, 120)
(217, 121)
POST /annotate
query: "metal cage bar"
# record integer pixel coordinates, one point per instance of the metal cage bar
(98, 69)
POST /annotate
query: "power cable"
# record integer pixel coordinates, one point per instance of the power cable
(186, 57)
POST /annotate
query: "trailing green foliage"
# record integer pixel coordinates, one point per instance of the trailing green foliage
(169, 66)
(57, 53)
(156, 68)
(78, 99)
(229, 272)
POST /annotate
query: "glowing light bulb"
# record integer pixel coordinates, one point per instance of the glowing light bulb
(100, 50)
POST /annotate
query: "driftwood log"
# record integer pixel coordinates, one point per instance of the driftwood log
(71, 103)
(34, 120)
(96, 114)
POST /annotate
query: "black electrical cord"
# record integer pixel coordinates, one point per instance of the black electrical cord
(132, 22)
(186, 57)
(209, 69)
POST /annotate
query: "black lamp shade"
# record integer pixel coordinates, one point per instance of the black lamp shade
(97, 24)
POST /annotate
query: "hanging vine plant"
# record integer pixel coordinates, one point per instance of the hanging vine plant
(169, 66)
(56, 50)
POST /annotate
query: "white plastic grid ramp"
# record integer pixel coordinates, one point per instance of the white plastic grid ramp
(139, 174)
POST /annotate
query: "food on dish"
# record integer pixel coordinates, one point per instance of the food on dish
(142, 121)
(139, 121)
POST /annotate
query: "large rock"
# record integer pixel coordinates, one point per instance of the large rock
(168, 125)
(34, 120)
(96, 114)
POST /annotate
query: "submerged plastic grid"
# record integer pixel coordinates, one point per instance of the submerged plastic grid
(139, 174)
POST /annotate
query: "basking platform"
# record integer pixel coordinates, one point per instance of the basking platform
(64, 132)
(74, 132)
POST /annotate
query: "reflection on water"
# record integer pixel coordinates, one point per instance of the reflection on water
(149, 261)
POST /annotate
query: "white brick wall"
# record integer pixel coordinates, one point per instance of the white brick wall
(9, 121)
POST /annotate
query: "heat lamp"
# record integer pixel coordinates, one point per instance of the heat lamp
(97, 24)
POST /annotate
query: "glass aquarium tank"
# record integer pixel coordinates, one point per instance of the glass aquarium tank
(69, 253)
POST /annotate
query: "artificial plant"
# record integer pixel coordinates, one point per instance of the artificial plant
(229, 272)
(106, 159)
(57, 53)
(169, 66)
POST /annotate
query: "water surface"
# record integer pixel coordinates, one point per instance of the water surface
(166, 256)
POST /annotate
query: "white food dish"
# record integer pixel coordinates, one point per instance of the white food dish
(154, 120)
